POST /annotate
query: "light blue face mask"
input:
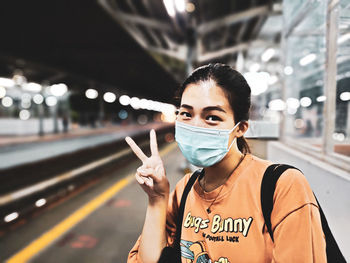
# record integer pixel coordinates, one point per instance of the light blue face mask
(202, 147)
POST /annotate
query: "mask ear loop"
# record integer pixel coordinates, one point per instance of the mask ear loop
(229, 148)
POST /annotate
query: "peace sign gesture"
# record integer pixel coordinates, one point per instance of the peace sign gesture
(151, 174)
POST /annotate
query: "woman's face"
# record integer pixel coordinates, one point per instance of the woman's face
(204, 104)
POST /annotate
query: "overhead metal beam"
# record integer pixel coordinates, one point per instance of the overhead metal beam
(220, 53)
(234, 18)
(135, 19)
(304, 12)
(123, 23)
(170, 53)
(231, 50)
(152, 23)
(258, 26)
(241, 32)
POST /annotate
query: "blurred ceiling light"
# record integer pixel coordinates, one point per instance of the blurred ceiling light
(51, 101)
(254, 67)
(345, 96)
(6, 82)
(240, 62)
(272, 79)
(150, 105)
(258, 81)
(344, 38)
(292, 111)
(91, 94)
(135, 103)
(26, 97)
(123, 114)
(305, 102)
(190, 7)
(168, 112)
(124, 100)
(338, 136)
(38, 99)
(170, 8)
(2, 92)
(268, 54)
(293, 103)
(109, 97)
(288, 70)
(32, 86)
(277, 105)
(10, 217)
(24, 115)
(307, 59)
(142, 119)
(40, 202)
(7, 102)
(180, 5)
(58, 90)
(321, 98)
(168, 108)
(144, 104)
(25, 104)
(156, 106)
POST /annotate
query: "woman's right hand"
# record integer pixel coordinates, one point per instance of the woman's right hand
(151, 174)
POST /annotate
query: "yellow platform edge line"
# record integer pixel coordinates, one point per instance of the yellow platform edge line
(61, 228)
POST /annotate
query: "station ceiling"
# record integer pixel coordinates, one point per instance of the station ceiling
(77, 43)
(125, 46)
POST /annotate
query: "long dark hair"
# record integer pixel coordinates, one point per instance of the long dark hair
(233, 84)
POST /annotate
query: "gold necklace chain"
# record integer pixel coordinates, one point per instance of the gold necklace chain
(221, 187)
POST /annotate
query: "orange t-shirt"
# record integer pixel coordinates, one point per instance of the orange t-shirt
(232, 232)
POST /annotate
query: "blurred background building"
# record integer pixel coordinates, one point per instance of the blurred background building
(76, 77)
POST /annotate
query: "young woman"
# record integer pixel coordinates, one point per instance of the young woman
(223, 220)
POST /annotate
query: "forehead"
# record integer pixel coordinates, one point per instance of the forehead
(205, 93)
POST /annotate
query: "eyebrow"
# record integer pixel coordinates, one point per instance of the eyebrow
(209, 108)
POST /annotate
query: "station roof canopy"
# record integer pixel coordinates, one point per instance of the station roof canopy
(137, 47)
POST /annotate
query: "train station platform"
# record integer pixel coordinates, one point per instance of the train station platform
(19, 150)
(101, 222)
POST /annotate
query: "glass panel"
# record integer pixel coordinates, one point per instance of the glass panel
(305, 64)
(341, 134)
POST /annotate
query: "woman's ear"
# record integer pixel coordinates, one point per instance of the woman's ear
(242, 128)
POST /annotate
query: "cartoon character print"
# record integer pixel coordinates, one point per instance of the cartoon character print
(194, 252)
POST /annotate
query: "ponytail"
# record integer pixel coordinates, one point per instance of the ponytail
(243, 145)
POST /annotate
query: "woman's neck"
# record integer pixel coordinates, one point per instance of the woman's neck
(218, 174)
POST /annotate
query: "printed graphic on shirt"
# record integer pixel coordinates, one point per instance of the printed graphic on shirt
(196, 252)
(219, 224)
(216, 229)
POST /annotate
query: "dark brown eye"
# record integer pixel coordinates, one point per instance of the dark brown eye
(213, 118)
(185, 114)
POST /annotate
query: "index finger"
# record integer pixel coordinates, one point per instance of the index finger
(136, 149)
(153, 142)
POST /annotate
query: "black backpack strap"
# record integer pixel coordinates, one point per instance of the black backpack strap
(180, 216)
(333, 252)
(268, 184)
